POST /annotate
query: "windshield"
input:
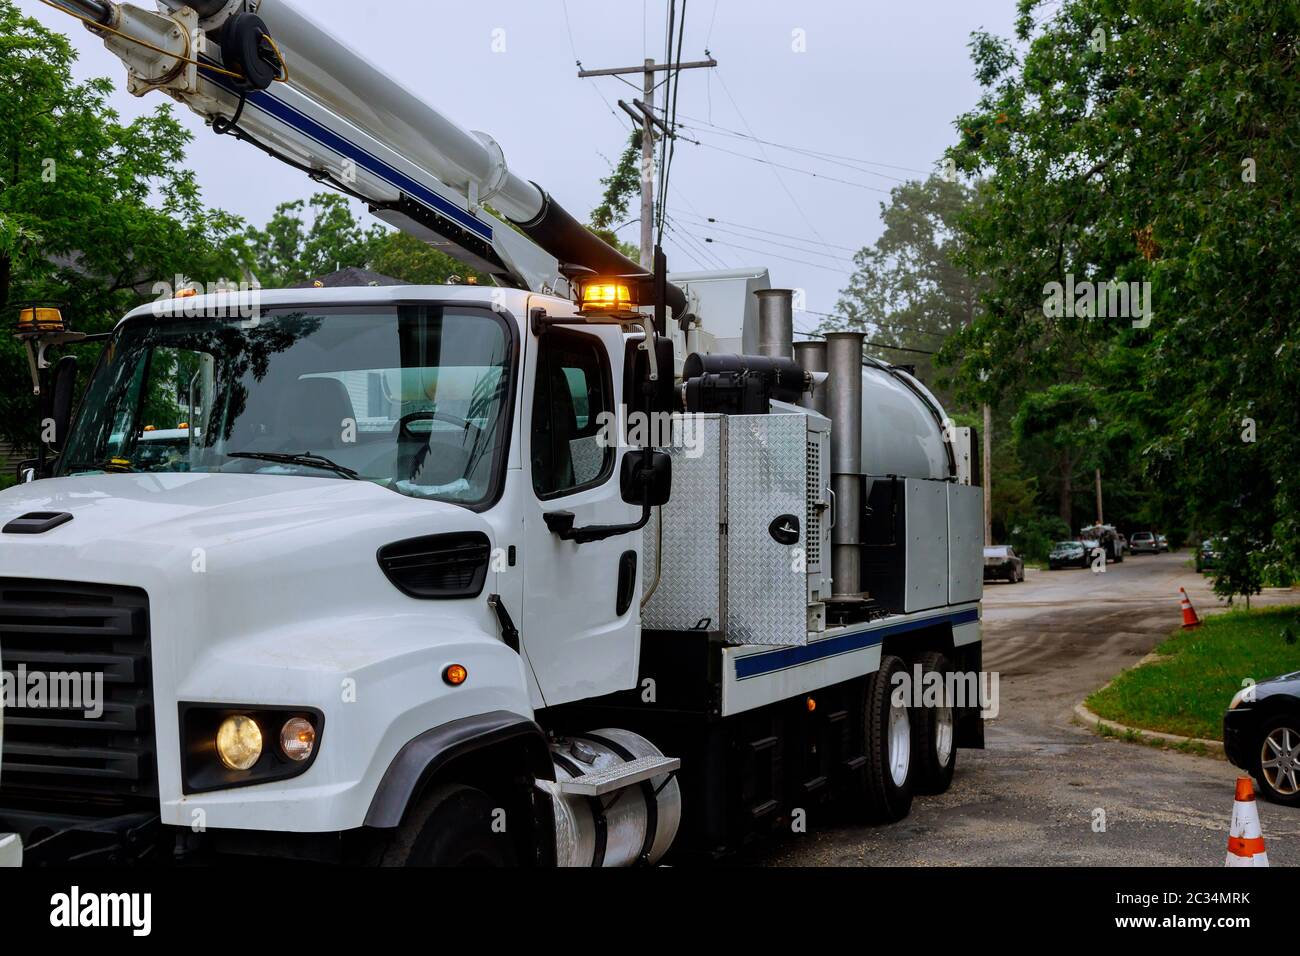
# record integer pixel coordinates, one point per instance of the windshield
(1068, 545)
(411, 398)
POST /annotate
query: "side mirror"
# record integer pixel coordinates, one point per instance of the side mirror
(639, 393)
(646, 477)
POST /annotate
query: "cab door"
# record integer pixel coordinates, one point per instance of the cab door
(581, 615)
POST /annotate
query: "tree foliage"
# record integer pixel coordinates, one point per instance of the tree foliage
(1150, 141)
(93, 211)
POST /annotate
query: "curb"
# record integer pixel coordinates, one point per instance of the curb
(1214, 747)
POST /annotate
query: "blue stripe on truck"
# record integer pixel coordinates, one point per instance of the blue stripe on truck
(756, 665)
(296, 119)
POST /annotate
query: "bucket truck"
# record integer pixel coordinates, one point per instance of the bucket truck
(577, 569)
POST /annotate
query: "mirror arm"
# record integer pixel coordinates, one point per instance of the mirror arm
(561, 524)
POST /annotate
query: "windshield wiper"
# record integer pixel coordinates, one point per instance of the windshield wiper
(306, 458)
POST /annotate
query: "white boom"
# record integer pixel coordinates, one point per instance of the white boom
(264, 71)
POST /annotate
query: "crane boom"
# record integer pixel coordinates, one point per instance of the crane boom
(263, 71)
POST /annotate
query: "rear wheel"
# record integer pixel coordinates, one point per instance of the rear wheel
(936, 732)
(1277, 760)
(453, 825)
(890, 770)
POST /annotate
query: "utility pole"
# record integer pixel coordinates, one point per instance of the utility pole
(1101, 519)
(988, 475)
(645, 115)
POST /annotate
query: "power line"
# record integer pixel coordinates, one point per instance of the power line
(794, 169)
(802, 152)
(783, 245)
(763, 252)
(739, 225)
(803, 149)
(798, 208)
(892, 326)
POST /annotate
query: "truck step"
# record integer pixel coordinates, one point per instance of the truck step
(624, 775)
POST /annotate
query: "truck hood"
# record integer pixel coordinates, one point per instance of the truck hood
(161, 510)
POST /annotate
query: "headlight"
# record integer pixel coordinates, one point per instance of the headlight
(1246, 695)
(239, 742)
(224, 746)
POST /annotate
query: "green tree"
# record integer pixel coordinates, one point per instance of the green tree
(908, 289)
(404, 257)
(93, 212)
(1150, 141)
(308, 238)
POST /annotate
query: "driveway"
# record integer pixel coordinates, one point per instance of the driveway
(1047, 791)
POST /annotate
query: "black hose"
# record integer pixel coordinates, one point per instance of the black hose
(96, 10)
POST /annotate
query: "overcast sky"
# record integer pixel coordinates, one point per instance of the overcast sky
(871, 85)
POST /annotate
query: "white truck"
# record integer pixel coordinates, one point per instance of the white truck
(577, 569)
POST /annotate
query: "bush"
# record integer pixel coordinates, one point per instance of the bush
(1034, 538)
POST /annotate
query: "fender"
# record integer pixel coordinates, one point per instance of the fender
(417, 762)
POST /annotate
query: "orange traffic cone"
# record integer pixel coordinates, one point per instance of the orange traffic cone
(1190, 620)
(1245, 839)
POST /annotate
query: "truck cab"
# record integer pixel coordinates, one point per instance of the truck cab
(332, 545)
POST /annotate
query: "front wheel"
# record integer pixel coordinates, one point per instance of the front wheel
(1277, 761)
(890, 770)
(936, 731)
(452, 826)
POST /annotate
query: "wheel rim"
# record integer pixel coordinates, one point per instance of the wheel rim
(900, 744)
(943, 734)
(1279, 759)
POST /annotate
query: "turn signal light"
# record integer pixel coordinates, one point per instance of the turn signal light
(455, 675)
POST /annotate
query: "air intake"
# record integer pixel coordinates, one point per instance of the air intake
(438, 567)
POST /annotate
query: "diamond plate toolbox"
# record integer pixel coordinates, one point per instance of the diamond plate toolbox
(723, 569)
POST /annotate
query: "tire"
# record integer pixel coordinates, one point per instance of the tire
(935, 735)
(888, 783)
(451, 826)
(1284, 787)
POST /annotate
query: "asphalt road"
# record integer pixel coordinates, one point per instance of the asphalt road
(1033, 796)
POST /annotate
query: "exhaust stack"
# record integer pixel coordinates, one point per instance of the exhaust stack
(844, 401)
(776, 322)
(811, 357)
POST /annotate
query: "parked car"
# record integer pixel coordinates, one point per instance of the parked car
(1162, 543)
(1068, 554)
(1209, 554)
(1261, 735)
(1002, 562)
(1144, 542)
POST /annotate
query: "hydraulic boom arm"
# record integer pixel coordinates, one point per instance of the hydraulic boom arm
(261, 70)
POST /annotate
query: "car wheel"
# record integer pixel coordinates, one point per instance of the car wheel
(936, 733)
(890, 776)
(452, 826)
(1277, 760)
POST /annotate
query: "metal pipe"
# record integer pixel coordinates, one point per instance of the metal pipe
(776, 322)
(844, 400)
(811, 357)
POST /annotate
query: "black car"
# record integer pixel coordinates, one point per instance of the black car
(1002, 563)
(1261, 735)
(1068, 554)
